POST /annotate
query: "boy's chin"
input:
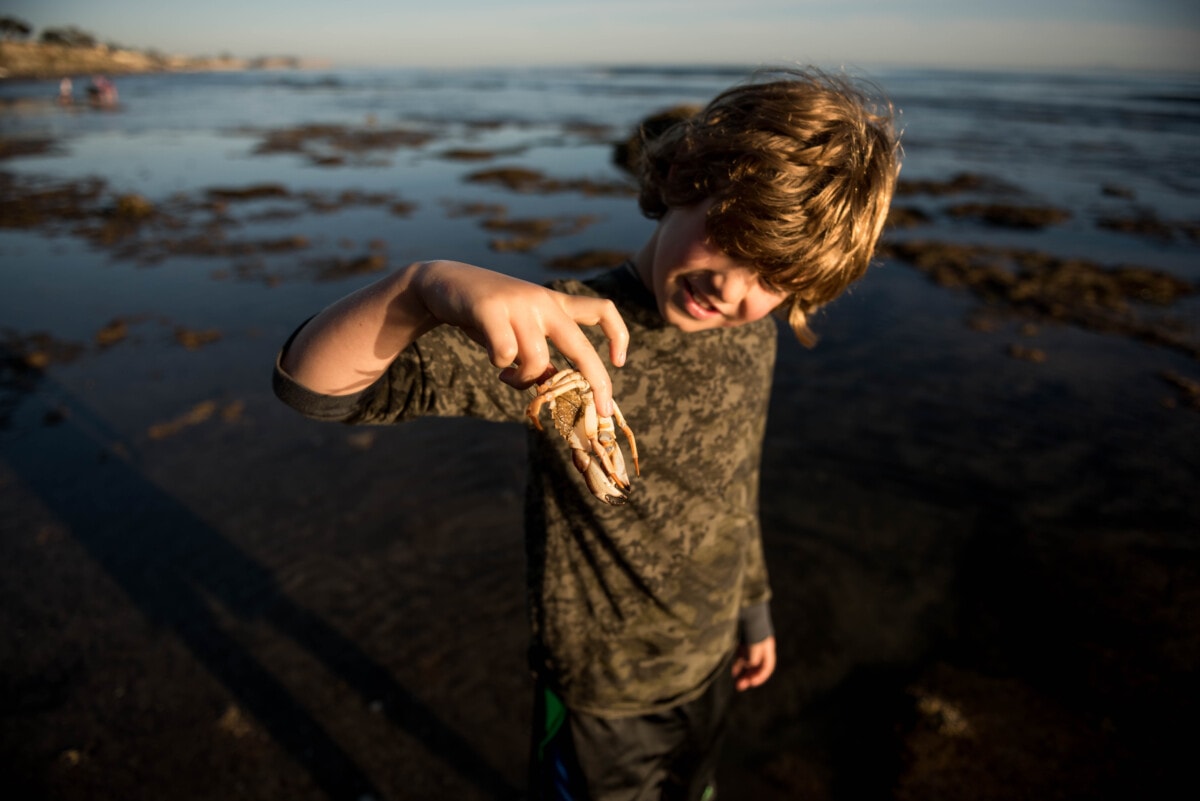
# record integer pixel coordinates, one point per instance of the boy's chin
(675, 312)
(688, 324)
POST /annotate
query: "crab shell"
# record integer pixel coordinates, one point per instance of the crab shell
(592, 439)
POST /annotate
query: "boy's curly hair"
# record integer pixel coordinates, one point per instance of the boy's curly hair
(801, 165)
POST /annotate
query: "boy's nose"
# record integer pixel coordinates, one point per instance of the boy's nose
(732, 286)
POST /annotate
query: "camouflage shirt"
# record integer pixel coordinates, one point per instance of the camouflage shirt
(633, 607)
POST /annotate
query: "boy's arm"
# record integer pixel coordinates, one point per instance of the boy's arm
(755, 660)
(346, 347)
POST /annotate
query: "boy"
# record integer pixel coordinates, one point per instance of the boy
(647, 616)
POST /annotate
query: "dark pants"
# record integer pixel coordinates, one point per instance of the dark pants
(667, 756)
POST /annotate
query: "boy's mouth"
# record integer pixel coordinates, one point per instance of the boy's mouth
(696, 304)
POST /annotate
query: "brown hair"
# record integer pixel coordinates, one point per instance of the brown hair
(801, 165)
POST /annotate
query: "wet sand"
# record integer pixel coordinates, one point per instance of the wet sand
(985, 580)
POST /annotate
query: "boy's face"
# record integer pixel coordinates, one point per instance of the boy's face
(697, 286)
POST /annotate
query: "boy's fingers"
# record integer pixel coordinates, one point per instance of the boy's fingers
(614, 328)
(501, 344)
(509, 376)
(604, 313)
(576, 347)
(518, 344)
(532, 360)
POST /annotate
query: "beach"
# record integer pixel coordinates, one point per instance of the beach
(979, 490)
(20, 60)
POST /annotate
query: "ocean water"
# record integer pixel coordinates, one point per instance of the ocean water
(1045, 132)
(1060, 140)
(1094, 145)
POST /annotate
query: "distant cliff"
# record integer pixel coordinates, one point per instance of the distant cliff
(45, 60)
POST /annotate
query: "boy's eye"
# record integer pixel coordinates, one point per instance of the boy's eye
(771, 286)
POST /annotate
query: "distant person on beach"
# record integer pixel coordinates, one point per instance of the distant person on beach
(102, 92)
(646, 616)
(66, 92)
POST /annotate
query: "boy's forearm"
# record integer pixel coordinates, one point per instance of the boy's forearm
(346, 347)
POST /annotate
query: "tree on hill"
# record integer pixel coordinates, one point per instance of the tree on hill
(13, 29)
(69, 36)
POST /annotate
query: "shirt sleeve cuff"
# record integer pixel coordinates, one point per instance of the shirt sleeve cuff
(754, 623)
(304, 400)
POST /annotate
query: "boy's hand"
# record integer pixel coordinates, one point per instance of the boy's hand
(514, 320)
(754, 664)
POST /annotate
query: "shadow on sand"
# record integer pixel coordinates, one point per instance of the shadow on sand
(172, 565)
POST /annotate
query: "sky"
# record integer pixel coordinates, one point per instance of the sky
(987, 34)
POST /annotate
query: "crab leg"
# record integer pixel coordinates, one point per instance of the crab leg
(557, 385)
(620, 418)
(592, 429)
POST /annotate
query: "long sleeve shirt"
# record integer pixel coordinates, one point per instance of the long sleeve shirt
(633, 608)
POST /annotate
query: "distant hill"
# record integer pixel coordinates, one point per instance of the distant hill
(47, 60)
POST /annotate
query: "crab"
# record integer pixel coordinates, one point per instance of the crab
(593, 439)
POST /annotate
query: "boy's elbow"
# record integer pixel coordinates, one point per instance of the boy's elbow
(313, 405)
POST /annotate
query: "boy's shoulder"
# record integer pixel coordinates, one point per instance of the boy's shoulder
(618, 281)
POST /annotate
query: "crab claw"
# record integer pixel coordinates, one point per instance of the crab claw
(598, 480)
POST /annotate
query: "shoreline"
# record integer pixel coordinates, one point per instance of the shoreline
(38, 61)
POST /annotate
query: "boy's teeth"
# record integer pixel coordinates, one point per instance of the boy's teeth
(701, 301)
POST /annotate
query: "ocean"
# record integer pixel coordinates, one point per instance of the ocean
(957, 474)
